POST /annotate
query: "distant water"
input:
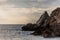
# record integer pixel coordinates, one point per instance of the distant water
(13, 32)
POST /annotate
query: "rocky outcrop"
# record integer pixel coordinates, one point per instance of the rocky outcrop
(54, 22)
(51, 26)
(39, 23)
(29, 27)
(42, 24)
(47, 26)
(42, 18)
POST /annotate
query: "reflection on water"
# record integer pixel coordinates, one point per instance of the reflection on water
(13, 32)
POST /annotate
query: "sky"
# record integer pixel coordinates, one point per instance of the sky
(25, 11)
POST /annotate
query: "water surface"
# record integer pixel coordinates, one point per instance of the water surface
(13, 32)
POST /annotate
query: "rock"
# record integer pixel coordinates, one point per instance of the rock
(54, 24)
(54, 21)
(42, 19)
(55, 12)
(39, 23)
(42, 24)
(46, 26)
(49, 27)
(28, 27)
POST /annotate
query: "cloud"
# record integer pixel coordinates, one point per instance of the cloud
(24, 11)
(21, 15)
(33, 3)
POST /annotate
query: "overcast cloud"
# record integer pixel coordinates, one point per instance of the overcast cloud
(24, 11)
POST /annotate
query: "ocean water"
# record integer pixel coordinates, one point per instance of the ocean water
(13, 32)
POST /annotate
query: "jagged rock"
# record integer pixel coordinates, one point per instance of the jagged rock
(42, 24)
(42, 19)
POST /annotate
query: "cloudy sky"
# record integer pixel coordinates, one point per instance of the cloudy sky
(24, 11)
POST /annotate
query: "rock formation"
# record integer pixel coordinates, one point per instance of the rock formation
(47, 26)
(52, 28)
(42, 24)
(42, 18)
(54, 22)
(39, 23)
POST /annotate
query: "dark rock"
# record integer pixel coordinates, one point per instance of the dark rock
(42, 24)
(42, 19)
(28, 27)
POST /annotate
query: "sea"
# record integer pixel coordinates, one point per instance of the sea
(14, 32)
